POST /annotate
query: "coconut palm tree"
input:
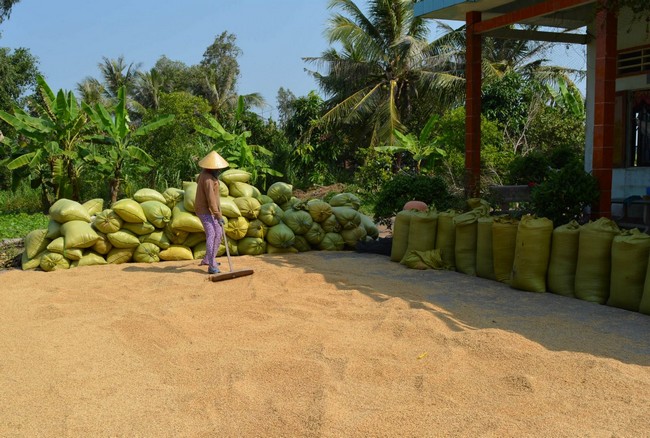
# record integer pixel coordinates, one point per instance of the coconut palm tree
(382, 69)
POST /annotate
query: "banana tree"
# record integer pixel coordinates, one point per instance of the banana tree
(236, 150)
(50, 144)
(113, 151)
(423, 148)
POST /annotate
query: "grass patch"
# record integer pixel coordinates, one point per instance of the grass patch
(18, 225)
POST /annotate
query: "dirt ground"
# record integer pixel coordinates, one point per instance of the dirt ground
(319, 344)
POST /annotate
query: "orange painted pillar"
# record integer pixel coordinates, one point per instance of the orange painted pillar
(473, 107)
(604, 103)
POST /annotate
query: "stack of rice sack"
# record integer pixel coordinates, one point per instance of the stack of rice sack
(595, 262)
(153, 226)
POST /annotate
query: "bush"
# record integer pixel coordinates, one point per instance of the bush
(20, 224)
(404, 187)
(565, 194)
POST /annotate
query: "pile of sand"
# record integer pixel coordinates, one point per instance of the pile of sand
(313, 344)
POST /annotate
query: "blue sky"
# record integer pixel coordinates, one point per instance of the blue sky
(70, 37)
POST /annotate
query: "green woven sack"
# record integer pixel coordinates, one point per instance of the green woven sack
(183, 220)
(332, 242)
(157, 213)
(630, 255)
(466, 226)
(117, 256)
(401, 230)
(484, 262)
(194, 239)
(58, 246)
(594, 260)
(94, 206)
(103, 245)
(241, 190)
(271, 214)
(345, 200)
(235, 175)
(89, 258)
(564, 259)
(53, 229)
(370, 226)
(331, 225)
(139, 229)
(280, 192)
(315, 234)
(251, 246)
(299, 221)
(319, 209)
(348, 217)
(52, 261)
(249, 207)
(172, 196)
(65, 210)
(146, 253)
(532, 252)
(270, 249)
(108, 221)
(229, 208)
(158, 238)
(78, 234)
(446, 238)
(353, 236)
(123, 239)
(256, 228)
(36, 242)
(189, 196)
(129, 210)
(281, 236)
(504, 243)
(145, 195)
(175, 236)
(644, 305)
(431, 259)
(301, 244)
(26, 263)
(423, 229)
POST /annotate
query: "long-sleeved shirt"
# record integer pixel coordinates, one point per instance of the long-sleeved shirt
(207, 195)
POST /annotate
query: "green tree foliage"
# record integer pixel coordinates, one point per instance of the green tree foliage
(405, 187)
(116, 154)
(236, 150)
(176, 146)
(5, 8)
(51, 150)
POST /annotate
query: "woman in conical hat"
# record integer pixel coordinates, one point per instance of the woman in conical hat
(207, 206)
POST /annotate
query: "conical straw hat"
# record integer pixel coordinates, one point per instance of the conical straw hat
(213, 161)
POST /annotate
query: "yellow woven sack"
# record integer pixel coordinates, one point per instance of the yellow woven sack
(139, 229)
(237, 228)
(26, 263)
(58, 246)
(630, 254)
(103, 245)
(564, 259)
(466, 227)
(229, 208)
(484, 262)
(504, 240)
(532, 252)
(176, 252)
(594, 260)
(158, 238)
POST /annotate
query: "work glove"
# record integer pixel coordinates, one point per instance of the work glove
(221, 221)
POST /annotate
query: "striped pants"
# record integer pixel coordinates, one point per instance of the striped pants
(212, 238)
